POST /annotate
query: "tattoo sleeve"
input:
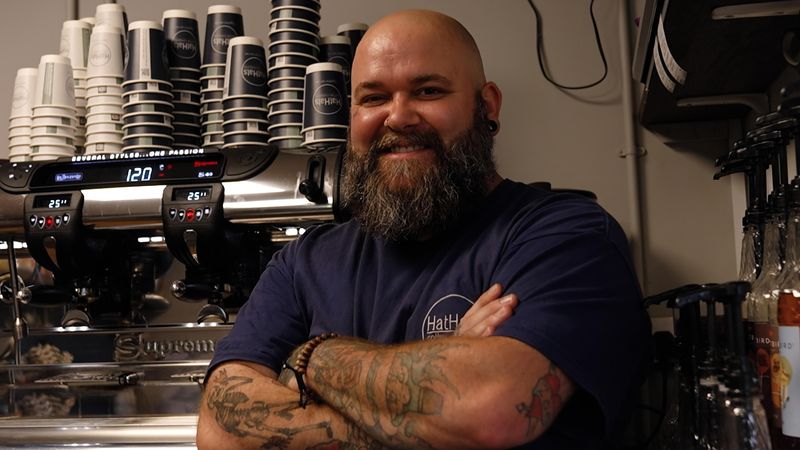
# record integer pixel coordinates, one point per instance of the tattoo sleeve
(545, 401)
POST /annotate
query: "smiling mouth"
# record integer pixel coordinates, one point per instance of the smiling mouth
(406, 149)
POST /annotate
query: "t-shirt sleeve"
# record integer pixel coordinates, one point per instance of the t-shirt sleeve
(580, 303)
(271, 323)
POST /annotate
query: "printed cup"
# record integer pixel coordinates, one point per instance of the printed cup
(244, 102)
(19, 121)
(312, 4)
(157, 86)
(54, 83)
(355, 31)
(186, 108)
(96, 91)
(286, 118)
(285, 129)
(296, 46)
(163, 107)
(186, 97)
(213, 70)
(243, 114)
(147, 130)
(104, 81)
(290, 144)
(212, 83)
(183, 129)
(246, 67)
(103, 118)
(24, 92)
(18, 141)
(286, 72)
(325, 101)
(154, 118)
(209, 96)
(75, 35)
(111, 14)
(103, 148)
(104, 128)
(294, 34)
(294, 12)
(54, 121)
(290, 59)
(147, 54)
(90, 20)
(287, 82)
(293, 23)
(106, 55)
(147, 97)
(245, 127)
(285, 105)
(336, 49)
(223, 23)
(52, 139)
(111, 137)
(182, 38)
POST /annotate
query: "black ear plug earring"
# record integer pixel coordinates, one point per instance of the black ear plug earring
(493, 126)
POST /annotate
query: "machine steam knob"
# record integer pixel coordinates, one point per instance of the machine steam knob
(178, 288)
(24, 295)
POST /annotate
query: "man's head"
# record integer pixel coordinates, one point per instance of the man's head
(420, 140)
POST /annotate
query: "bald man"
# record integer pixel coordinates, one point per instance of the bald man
(457, 310)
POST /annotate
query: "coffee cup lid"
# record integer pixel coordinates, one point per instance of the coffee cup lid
(224, 9)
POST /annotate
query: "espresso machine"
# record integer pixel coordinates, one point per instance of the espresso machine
(124, 270)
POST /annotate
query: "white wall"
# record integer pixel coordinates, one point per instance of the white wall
(570, 139)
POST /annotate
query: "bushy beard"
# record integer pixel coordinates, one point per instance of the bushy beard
(411, 200)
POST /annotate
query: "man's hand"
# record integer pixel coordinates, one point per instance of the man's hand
(489, 311)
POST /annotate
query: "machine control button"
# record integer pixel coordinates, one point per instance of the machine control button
(172, 213)
(49, 222)
(40, 222)
(190, 215)
(11, 176)
(65, 218)
(198, 214)
(33, 219)
(206, 210)
(58, 221)
(181, 215)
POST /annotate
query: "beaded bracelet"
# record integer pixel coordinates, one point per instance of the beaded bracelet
(301, 365)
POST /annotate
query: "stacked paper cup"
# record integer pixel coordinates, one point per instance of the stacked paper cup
(183, 52)
(53, 123)
(294, 37)
(146, 91)
(112, 14)
(19, 122)
(75, 35)
(325, 110)
(244, 98)
(104, 90)
(223, 23)
(337, 49)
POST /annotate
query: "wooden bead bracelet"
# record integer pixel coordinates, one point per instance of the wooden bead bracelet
(300, 365)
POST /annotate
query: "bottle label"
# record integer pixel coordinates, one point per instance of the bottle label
(766, 345)
(789, 382)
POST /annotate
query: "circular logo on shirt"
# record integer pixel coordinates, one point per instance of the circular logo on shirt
(444, 315)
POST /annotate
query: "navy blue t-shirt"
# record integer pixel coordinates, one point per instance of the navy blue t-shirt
(562, 254)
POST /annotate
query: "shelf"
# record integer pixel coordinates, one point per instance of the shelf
(741, 56)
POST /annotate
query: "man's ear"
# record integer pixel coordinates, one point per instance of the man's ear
(493, 99)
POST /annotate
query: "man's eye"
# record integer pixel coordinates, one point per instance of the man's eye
(372, 99)
(430, 92)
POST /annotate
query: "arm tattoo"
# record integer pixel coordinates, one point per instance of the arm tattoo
(416, 385)
(241, 416)
(545, 401)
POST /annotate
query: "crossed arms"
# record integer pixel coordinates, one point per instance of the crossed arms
(473, 390)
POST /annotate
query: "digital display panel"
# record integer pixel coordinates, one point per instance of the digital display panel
(192, 194)
(52, 201)
(120, 172)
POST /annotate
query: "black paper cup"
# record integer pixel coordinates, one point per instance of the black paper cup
(312, 4)
(285, 129)
(294, 12)
(213, 70)
(287, 82)
(182, 38)
(223, 22)
(183, 84)
(294, 34)
(285, 105)
(285, 59)
(186, 108)
(245, 138)
(186, 140)
(214, 83)
(286, 94)
(153, 139)
(246, 68)
(244, 102)
(147, 129)
(147, 54)
(325, 101)
(192, 98)
(287, 72)
(147, 97)
(184, 73)
(130, 108)
(186, 119)
(286, 117)
(243, 114)
(156, 86)
(260, 126)
(186, 129)
(156, 118)
(325, 133)
(355, 31)
(336, 49)
(211, 106)
(292, 47)
(293, 23)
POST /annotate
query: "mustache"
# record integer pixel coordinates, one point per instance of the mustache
(389, 140)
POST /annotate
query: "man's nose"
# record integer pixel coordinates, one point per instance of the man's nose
(402, 115)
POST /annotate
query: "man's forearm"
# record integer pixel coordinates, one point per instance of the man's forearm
(243, 408)
(443, 393)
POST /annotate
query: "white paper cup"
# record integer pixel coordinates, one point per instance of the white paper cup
(75, 36)
(108, 137)
(103, 148)
(17, 141)
(95, 91)
(104, 127)
(104, 109)
(54, 121)
(19, 132)
(52, 140)
(54, 83)
(111, 14)
(104, 81)
(106, 52)
(24, 92)
(103, 117)
(104, 100)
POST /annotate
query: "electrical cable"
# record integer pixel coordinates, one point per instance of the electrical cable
(540, 50)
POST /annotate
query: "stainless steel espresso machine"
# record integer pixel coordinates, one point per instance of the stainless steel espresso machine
(120, 274)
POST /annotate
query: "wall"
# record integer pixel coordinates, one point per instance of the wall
(571, 139)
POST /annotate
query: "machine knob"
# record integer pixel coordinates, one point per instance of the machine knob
(192, 291)
(75, 318)
(212, 314)
(24, 295)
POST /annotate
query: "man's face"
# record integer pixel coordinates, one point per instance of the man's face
(419, 151)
